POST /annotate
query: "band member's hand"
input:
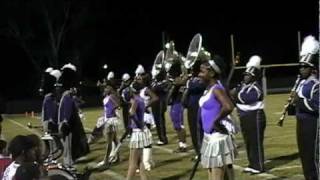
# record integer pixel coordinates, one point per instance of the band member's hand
(219, 127)
(293, 97)
(64, 129)
(146, 110)
(98, 83)
(233, 93)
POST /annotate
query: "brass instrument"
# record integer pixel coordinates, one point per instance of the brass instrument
(290, 101)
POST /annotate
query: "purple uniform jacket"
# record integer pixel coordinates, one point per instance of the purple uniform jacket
(68, 112)
(249, 98)
(50, 108)
(308, 101)
(195, 90)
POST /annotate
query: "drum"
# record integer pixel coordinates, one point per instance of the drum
(53, 148)
(60, 174)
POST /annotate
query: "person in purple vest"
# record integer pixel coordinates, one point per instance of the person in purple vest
(70, 126)
(111, 120)
(217, 151)
(50, 101)
(143, 80)
(248, 96)
(307, 108)
(139, 139)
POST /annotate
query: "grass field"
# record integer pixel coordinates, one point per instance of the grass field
(281, 157)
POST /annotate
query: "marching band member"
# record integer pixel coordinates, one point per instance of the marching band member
(70, 125)
(248, 97)
(217, 150)
(97, 132)
(124, 104)
(139, 139)
(195, 88)
(307, 108)
(50, 102)
(111, 120)
(143, 80)
(160, 88)
(174, 99)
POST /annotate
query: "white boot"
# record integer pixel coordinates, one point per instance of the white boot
(147, 158)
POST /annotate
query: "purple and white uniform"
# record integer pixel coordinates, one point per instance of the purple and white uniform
(139, 139)
(110, 117)
(217, 149)
(68, 113)
(50, 113)
(252, 117)
(307, 114)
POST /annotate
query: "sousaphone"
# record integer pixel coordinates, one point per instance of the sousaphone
(173, 61)
(195, 52)
(158, 64)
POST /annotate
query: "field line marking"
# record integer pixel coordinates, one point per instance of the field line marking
(23, 126)
(287, 167)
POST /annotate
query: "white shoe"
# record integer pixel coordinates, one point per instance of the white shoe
(160, 143)
(100, 164)
(251, 170)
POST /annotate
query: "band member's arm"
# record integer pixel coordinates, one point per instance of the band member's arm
(226, 108)
(153, 97)
(170, 93)
(66, 109)
(115, 100)
(132, 112)
(310, 93)
(47, 111)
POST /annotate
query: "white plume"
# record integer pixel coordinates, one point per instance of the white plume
(69, 66)
(48, 70)
(140, 69)
(56, 73)
(110, 75)
(309, 46)
(125, 77)
(167, 46)
(254, 61)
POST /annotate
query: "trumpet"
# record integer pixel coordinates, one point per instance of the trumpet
(290, 101)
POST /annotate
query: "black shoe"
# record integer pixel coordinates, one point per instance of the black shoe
(181, 150)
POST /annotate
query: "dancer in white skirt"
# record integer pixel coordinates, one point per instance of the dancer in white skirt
(111, 120)
(217, 151)
(143, 80)
(139, 139)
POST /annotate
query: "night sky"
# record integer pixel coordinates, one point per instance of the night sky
(124, 35)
